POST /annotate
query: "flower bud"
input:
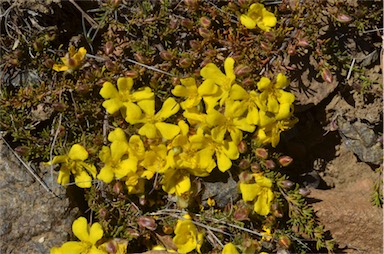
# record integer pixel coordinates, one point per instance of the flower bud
(140, 58)
(49, 63)
(185, 62)
(244, 164)
(142, 200)
(195, 44)
(255, 167)
(118, 187)
(343, 18)
(287, 184)
(131, 74)
(37, 45)
(58, 106)
(242, 70)
(245, 177)
(110, 65)
(326, 75)
(111, 246)
(187, 23)
(173, 23)
(22, 150)
(291, 50)
(109, 48)
(166, 55)
(261, 153)
(304, 192)
(270, 36)
(103, 213)
(192, 4)
(242, 146)
(205, 33)
(284, 242)
(205, 22)
(241, 214)
(269, 164)
(147, 222)
(248, 82)
(167, 229)
(285, 160)
(82, 88)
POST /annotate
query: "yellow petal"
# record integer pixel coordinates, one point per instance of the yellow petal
(167, 130)
(211, 71)
(229, 248)
(262, 205)
(208, 87)
(249, 191)
(118, 149)
(59, 159)
(133, 113)
(285, 97)
(73, 247)
(238, 93)
(272, 104)
(148, 106)
(284, 111)
(281, 81)
(247, 21)
(83, 180)
(253, 116)
(106, 174)
(149, 130)
(229, 64)
(60, 67)
(64, 176)
(144, 94)
(78, 153)
(112, 105)
(169, 108)
(117, 135)
(80, 229)
(180, 91)
(264, 83)
(223, 162)
(262, 180)
(269, 19)
(183, 185)
(125, 85)
(125, 167)
(95, 233)
(108, 91)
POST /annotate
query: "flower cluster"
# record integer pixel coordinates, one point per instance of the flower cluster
(187, 238)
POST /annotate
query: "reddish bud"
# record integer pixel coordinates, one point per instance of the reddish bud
(304, 192)
(248, 82)
(291, 50)
(192, 4)
(166, 55)
(110, 65)
(142, 200)
(284, 242)
(22, 150)
(269, 164)
(327, 75)
(245, 177)
(58, 106)
(287, 184)
(244, 164)
(111, 246)
(242, 70)
(131, 74)
(140, 58)
(175, 81)
(343, 18)
(241, 214)
(185, 62)
(37, 45)
(187, 23)
(285, 160)
(195, 44)
(205, 33)
(49, 63)
(205, 22)
(173, 24)
(167, 229)
(118, 187)
(103, 213)
(261, 153)
(270, 36)
(109, 48)
(147, 222)
(242, 146)
(255, 167)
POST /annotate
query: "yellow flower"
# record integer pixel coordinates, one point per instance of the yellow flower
(259, 192)
(155, 161)
(153, 123)
(187, 238)
(216, 80)
(229, 248)
(231, 121)
(258, 15)
(274, 103)
(88, 236)
(73, 163)
(72, 60)
(124, 98)
(250, 101)
(176, 181)
(271, 132)
(189, 90)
